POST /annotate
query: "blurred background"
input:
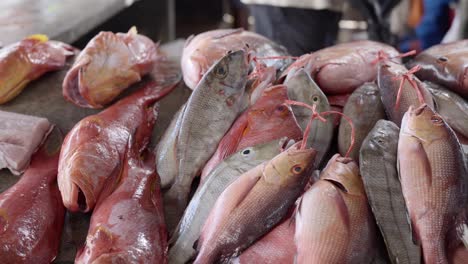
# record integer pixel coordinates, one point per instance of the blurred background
(406, 24)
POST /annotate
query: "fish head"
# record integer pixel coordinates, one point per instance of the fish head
(424, 124)
(228, 76)
(290, 166)
(343, 173)
(381, 134)
(261, 152)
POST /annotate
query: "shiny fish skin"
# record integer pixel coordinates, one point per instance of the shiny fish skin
(388, 80)
(451, 107)
(268, 119)
(445, 64)
(93, 151)
(353, 62)
(209, 113)
(253, 204)
(378, 159)
(217, 181)
(107, 66)
(27, 60)
(434, 181)
(365, 108)
(334, 223)
(303, 89)
(203, 50)
(31, 211)
(128, 226)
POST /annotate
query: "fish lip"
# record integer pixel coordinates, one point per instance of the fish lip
(417, 111)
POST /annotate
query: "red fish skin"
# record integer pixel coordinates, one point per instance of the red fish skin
(338, 100)
(268, 119)
(27, 60)
(128, 226)
(93, 151)
(354, 62)
(276, 247)
(108, 64)
(32, 213)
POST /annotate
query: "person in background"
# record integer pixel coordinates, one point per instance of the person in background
(302, 26)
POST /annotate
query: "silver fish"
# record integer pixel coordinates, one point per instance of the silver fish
(208, 114)
(189, 228)
(302, 88)
(378, 158)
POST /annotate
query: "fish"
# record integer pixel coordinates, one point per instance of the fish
(107, 66)
(433, 180)
(452, 107)
(207, 116)
(364, 108)
(31, 211)
(27, 60)
(268, 119)
(92, 155)
(334, 223)
(203, 50)
(378, 166)
(338, 100)
(253, 204)
(277, 246)
(390, 75)
(191, 223)
(355, 63)
(302, 88)
(20, 136)
(445, 64)
(128, 226)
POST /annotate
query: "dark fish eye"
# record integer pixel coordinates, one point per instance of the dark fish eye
(246, 152)
(296, 169)
(221, 71)
(281, 108)
(436, 119)
(315, 98)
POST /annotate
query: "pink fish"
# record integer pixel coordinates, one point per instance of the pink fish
(107, 66)
(268, 119)
(92, 155)
(32, 213)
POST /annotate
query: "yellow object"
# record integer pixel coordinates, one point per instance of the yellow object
(40, 37)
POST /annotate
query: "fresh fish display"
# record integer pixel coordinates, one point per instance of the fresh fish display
(275, 247)
(434, 182)
(31, 211)
(202, 51)
(189, 228)
(253, 204)
(333, 221)
(302, 88)
(27, 60)
(378, 164)
(355, 63)
(452, 107)
(93, 151)
(20, 137)
(394, 79)
(128, 226)
(338, 100)
(107, 66)
(364, 108)
(206, 117)
(268, 119)
(445, 64)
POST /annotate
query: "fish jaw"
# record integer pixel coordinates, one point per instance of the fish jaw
(424, 124)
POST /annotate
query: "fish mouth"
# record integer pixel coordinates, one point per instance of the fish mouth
(418, 111)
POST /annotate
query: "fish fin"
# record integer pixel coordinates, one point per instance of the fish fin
(227, 202)
(39, 37)
(189, 39)
(228, 32)
(296, 209)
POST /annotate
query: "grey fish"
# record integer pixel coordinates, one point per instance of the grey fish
(189, 228)
(207, 116)
(365, 108)
(452, 107)
(302, 88)
(378, 159)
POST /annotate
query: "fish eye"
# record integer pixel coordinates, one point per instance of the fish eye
(296, 169)
(246, 152)
(221, 71)
(315, 98)
(437, 120)
(442, 59)
(281, 108)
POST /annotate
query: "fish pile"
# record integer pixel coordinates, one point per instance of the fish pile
(344, 155)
